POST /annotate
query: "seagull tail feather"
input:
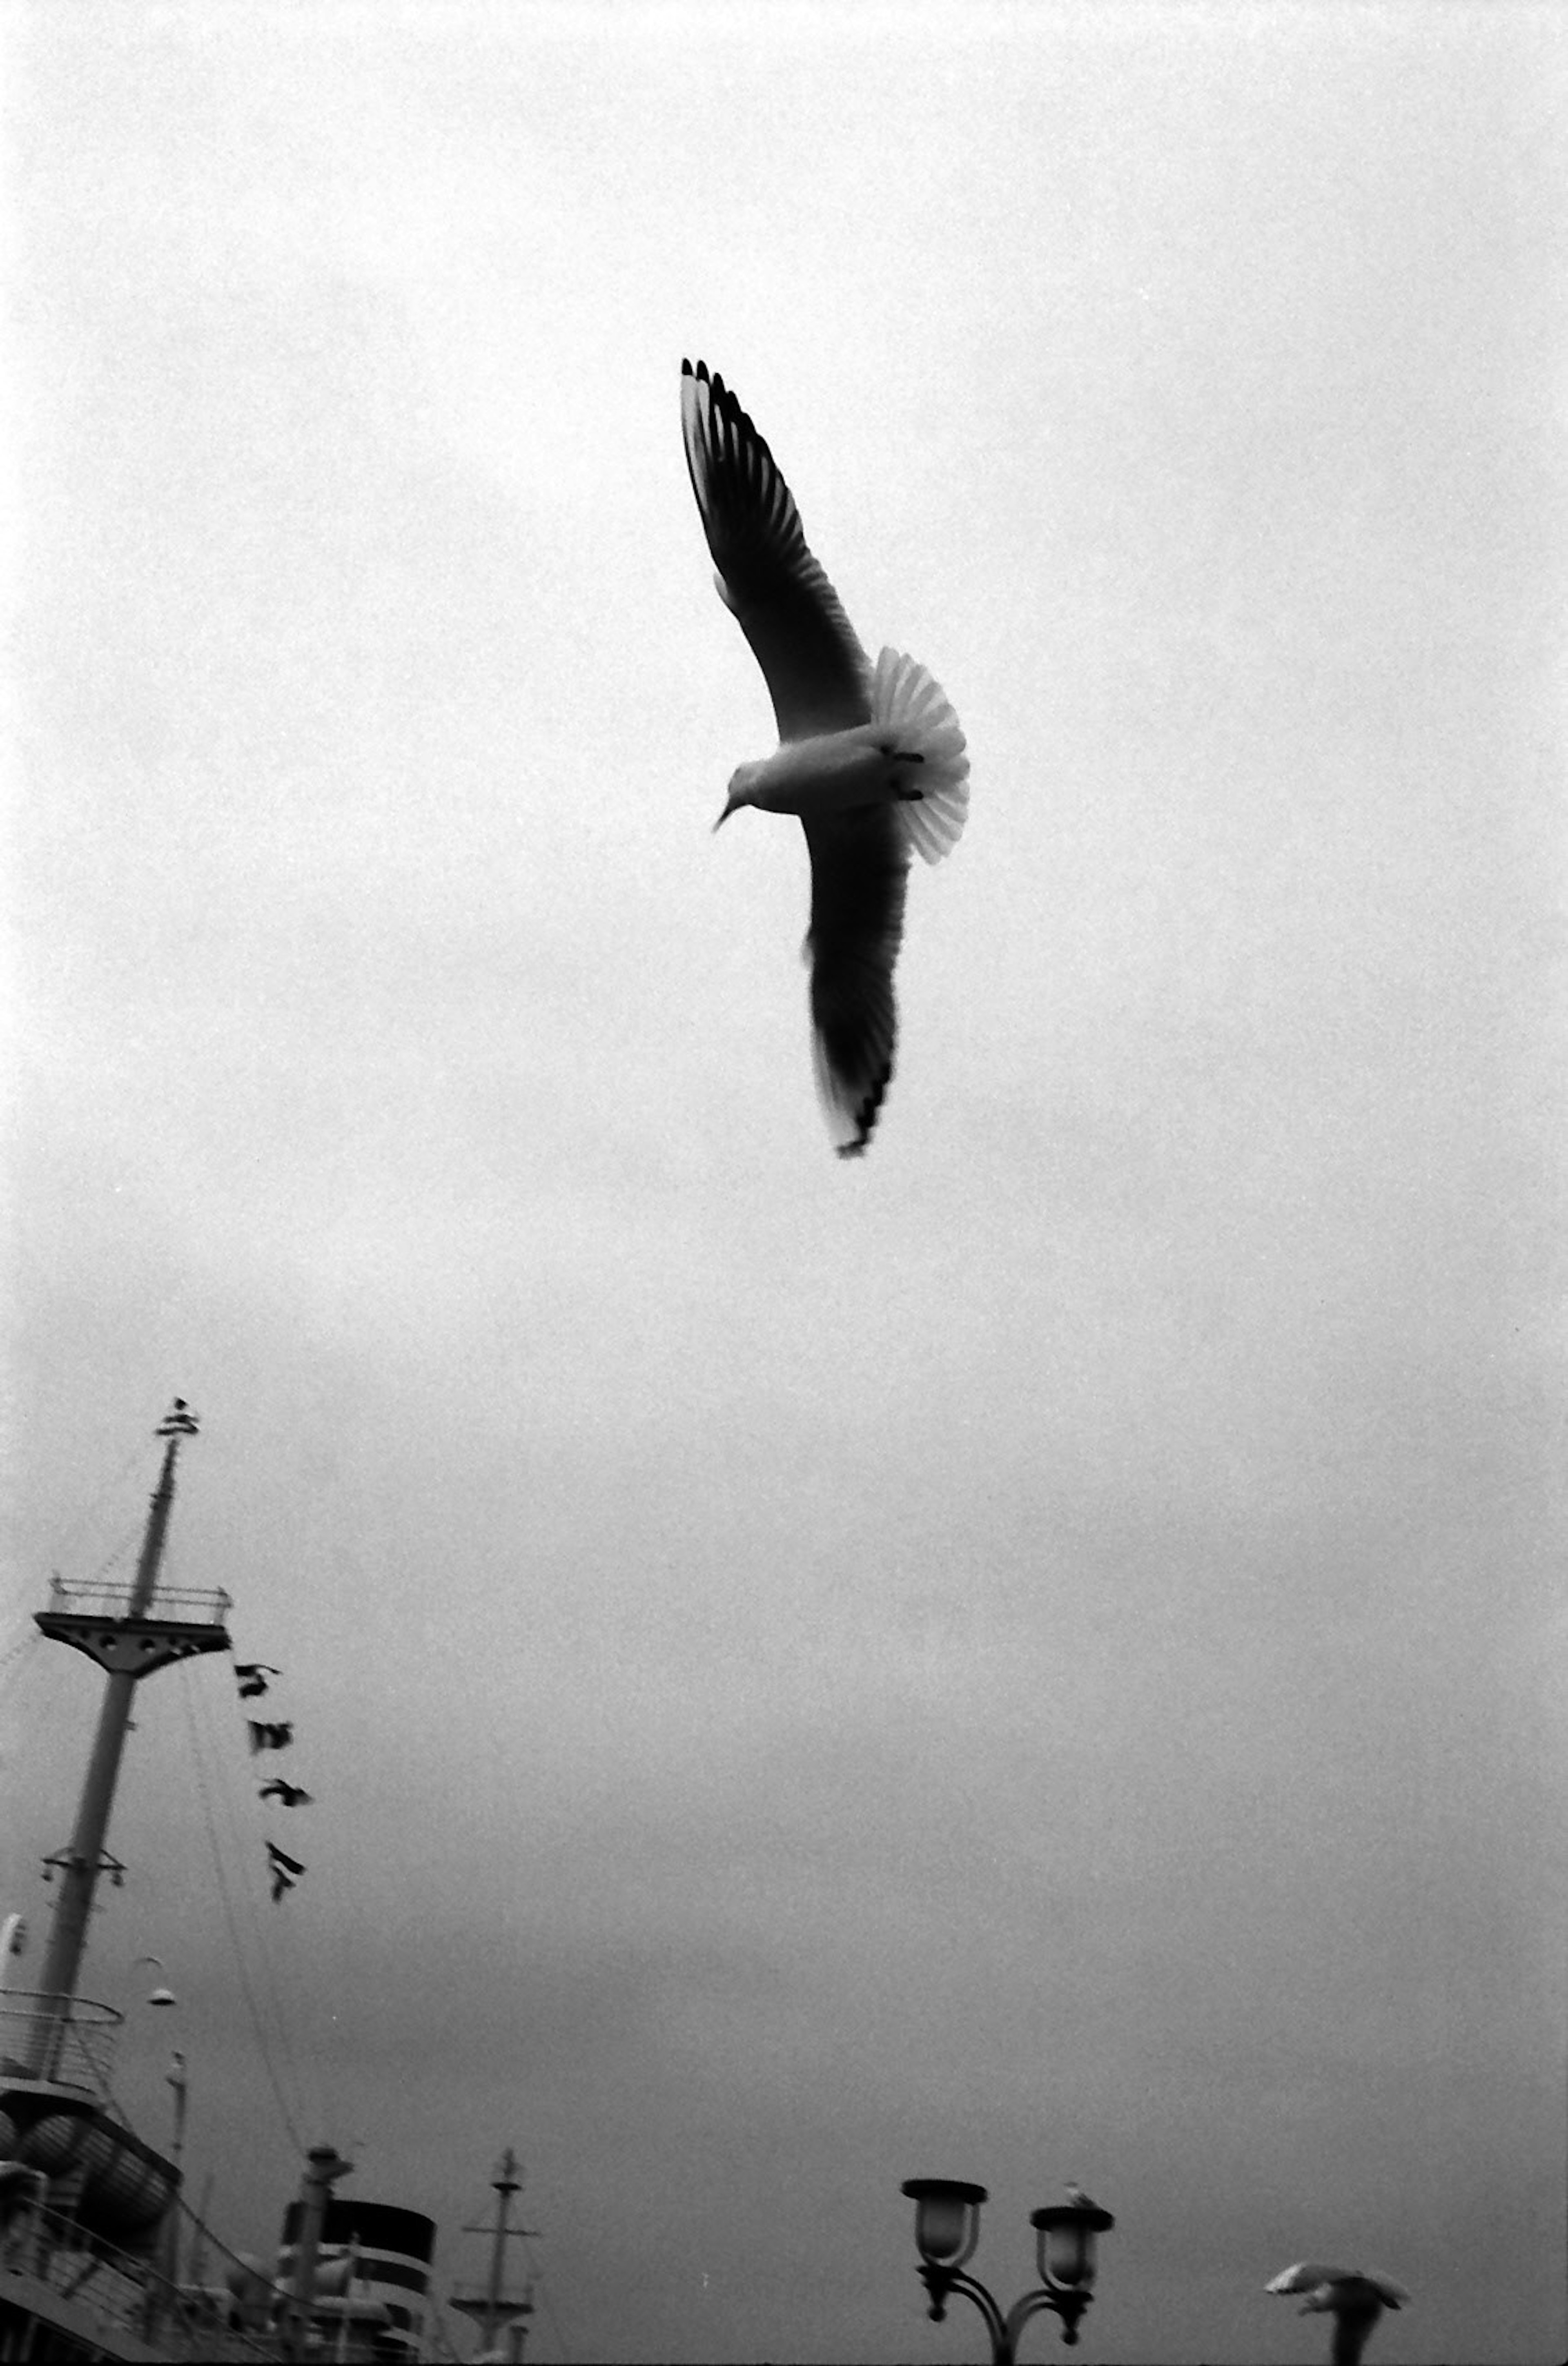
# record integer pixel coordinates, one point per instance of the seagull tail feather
(911, 702)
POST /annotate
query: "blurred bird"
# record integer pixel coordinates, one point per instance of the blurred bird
(284, 1871)
(1355, 2298)
(287, 1795)
(1078, 2198)
(870, 758)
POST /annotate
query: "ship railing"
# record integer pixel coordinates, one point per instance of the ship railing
(69, 2041)
(186, 1605)
(121, 2293)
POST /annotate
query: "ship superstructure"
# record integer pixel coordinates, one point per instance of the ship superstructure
(99, 2258)
(85, 2205)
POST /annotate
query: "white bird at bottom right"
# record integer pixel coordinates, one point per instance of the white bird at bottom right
(1355, 2297)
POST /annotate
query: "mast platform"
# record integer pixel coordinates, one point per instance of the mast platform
(104, 1622)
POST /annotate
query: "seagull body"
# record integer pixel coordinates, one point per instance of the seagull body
(1355, 2297)
(870, 758)
(829, 774)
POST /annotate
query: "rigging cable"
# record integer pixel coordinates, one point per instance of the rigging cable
(15, 1660)
(274, 1940)
(278, 1943)
(295, 2138)
(137, 1454)
(118, 1552)
(541, 2285)
(240, 1844)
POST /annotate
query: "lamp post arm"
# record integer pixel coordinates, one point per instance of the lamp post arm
(1068, 2305)
(942, 2282)
(1018, 2316)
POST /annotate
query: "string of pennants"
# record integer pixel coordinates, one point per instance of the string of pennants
(252, 1678)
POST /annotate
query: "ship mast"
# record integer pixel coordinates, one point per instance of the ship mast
(491, 2310)
(128, 1645)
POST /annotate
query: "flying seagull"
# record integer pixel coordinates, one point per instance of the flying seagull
(870, 757)
(1356, 2297)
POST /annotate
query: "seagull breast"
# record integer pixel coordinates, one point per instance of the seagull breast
(829, 774)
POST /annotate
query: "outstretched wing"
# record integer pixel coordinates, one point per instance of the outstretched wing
(1340, 2287)
(860, 869)
(816, 670)
(1306, 2276)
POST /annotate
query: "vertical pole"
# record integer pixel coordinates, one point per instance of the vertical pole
(340, 2347)
(506, 2182)
(322, 2166)
(79, 1877)
(178, 2080)
(163, 2284)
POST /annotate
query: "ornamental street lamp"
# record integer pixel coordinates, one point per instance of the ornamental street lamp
(947, 2228)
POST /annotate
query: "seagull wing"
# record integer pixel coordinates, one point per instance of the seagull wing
(816, 670)
(1340, 2287)
(1306, 2276)
(860, 869)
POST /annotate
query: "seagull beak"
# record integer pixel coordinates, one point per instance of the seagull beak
(724, 817)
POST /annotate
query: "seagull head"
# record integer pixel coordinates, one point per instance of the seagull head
(742, 791)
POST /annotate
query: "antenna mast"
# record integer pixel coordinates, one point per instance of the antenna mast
(127, 1643)
(490, 2309)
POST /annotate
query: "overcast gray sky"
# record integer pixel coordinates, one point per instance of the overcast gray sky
(1035, 1655)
